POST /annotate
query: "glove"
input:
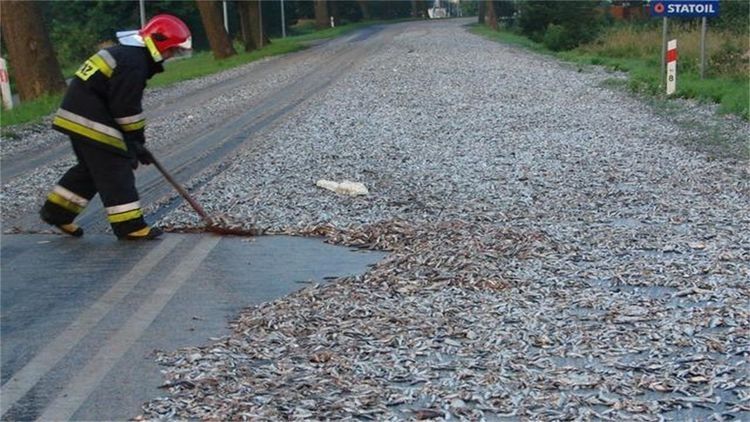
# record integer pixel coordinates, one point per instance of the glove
(142, 154)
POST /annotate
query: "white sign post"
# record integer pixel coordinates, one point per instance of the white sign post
(671, 67)
(5, 85)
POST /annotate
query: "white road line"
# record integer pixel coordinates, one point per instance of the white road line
(84, 383)
(23, 380)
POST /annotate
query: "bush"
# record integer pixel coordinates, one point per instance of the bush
(560, 25)
(733, 16)
(557, 38)
(730, 59)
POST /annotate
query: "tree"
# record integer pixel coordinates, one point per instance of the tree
(365, 7)
(214, 25)
(77, 29)
(491, 17)
(37, 71)
(321, 14)
(481, 12)
(505, 8)
(422, 9)
(250, 21)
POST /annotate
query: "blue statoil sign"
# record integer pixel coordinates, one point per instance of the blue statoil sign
(684, 8)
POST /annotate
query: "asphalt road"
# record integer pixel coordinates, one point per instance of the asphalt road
(81, 318)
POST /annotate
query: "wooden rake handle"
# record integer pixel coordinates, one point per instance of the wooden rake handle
(193, 203)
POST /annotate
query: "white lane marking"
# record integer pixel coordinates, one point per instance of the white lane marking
(23, 380)
(85, 382)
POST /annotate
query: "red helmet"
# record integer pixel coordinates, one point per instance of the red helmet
(165, 35)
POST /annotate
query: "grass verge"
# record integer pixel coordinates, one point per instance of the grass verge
(634, 51)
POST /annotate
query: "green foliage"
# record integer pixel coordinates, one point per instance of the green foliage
(730, 58)
(733, 16)
(505, 8)
(30, 111)
(77, 28)
(509, 37)
(470, 8)
(560, 25)
(202, 64)
(727, 87)
(558, 38)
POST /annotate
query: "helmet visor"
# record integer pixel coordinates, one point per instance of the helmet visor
(183, 50)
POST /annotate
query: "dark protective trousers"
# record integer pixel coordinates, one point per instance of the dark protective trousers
(97, 171)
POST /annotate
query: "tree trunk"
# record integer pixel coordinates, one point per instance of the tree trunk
(365, 7)
(491, 16)
(414, 8)
(481, 12)
(244, 15)
(423, 6)
(249, 12)
(321, 14)
(30, 53)
(213, 23)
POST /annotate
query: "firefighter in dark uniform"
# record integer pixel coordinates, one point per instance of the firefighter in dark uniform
(103, 115)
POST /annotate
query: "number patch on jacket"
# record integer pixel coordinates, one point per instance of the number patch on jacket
(87, 69)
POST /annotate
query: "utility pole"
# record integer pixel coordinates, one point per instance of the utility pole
(703, 47)
(226, 21)
(283, 21)
(260, 24)
(662, 75)
(142, 7)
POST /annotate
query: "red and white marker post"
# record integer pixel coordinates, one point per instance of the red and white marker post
(671, 67)
(5, 85)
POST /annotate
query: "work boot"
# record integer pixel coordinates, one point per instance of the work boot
(70, 228)
(146, 233)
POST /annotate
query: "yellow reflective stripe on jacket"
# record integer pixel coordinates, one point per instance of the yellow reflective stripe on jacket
(102, 64)
(101, 61)
(104, 54)
(131, 123)
(133, 126)
(125, 216)
(89, 133)
(65, 203)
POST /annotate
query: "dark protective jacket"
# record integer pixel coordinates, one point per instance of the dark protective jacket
(103, 102)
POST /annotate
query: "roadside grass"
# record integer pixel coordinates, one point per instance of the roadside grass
(200, 64)
(203, 63)
(636, 50)
(509, 37)
(29, 111)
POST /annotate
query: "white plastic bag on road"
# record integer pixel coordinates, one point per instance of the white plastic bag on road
(345, 187)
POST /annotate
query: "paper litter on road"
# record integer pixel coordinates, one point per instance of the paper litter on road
(345, 187)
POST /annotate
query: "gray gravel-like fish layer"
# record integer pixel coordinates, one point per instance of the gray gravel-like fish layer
(560, 250)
